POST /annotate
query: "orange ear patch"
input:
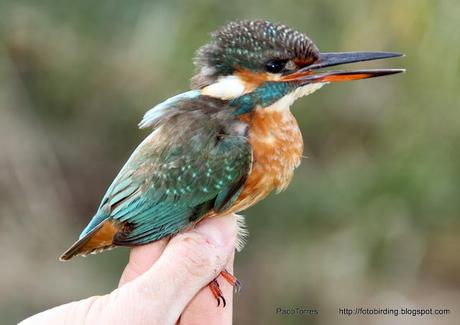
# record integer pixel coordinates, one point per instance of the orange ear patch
(252, 80)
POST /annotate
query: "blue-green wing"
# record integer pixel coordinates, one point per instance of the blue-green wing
(184, 169)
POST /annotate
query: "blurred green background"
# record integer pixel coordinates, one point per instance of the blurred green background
(370, 219)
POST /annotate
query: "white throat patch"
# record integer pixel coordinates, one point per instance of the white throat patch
(285, 102)
(229, 87)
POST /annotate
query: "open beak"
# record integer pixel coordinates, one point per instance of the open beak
(308, 75)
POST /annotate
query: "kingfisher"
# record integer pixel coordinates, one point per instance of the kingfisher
(224, 145)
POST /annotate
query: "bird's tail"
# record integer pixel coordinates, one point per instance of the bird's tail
(98, 239)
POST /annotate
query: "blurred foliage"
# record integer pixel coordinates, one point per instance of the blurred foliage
(372, 215)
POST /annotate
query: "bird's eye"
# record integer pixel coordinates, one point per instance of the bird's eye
(275, 66)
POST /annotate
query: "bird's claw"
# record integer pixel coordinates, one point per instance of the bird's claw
(230, 278)
(217, 293)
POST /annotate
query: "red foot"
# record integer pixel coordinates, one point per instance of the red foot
(215, 289)
(217, 293)
(230, 278)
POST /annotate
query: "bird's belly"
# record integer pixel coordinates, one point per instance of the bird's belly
(277, 150)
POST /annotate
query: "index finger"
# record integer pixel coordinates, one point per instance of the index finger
(141, 258)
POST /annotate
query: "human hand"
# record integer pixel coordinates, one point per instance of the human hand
(163, 283)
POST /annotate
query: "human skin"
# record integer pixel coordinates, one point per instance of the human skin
(163, 283)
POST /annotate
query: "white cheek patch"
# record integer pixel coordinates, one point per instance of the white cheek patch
(286, 101)
(227, 87)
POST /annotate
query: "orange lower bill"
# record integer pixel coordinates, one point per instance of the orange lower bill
(308, 76)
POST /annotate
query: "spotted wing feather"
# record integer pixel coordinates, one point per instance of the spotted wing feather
(196, 161)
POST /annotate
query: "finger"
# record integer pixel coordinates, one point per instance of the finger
(189, 262)
(141, 258)
(202, 309)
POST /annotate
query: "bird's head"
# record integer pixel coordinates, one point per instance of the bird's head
(258, 62)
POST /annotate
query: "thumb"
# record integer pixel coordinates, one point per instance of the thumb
(189, 262)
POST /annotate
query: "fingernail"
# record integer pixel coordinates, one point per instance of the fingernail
(219, 230)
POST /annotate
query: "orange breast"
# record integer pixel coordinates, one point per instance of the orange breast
(277, 150)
